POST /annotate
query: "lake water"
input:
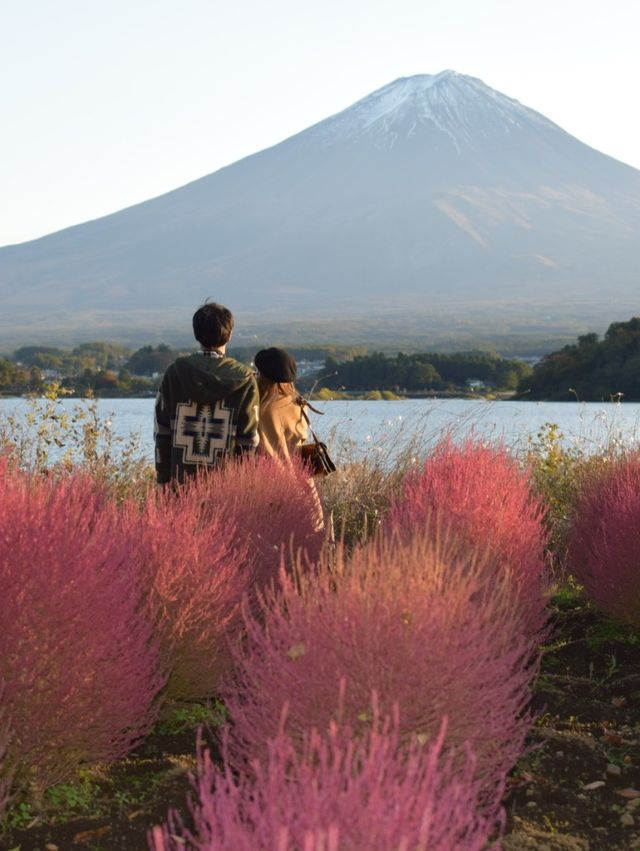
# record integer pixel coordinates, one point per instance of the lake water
(386, 427)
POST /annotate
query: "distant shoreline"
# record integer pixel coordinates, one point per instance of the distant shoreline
(362, 396)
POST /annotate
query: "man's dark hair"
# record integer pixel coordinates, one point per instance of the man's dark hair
(212, 325)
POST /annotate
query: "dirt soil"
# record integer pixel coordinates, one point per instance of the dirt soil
(577, 789)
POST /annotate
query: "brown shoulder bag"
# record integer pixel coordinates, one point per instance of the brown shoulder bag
(315, 456)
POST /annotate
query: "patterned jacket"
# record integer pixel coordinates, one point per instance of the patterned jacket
(206, 410)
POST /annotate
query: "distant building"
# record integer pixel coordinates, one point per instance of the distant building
(51, 375)
(310, 367)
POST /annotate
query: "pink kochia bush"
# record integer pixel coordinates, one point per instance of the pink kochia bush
(273, 508)
(199, 567)
(338, 794)
(77, 656)
(484, 497)
(604, 540)
(5, 770)
(211, 543)
(404, 619)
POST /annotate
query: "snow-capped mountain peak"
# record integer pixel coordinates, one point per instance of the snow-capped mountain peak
(433, 190)
(460, 107)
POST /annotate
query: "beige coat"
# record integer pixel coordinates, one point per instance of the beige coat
(282, 427)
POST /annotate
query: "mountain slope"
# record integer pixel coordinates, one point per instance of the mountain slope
(432, 190)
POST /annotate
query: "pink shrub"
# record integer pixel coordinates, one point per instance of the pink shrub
(484, 497)
(272, 507)
(76, 653)
(5, 767)
(406, 619)
(207, 545)
(336, 795)
(604, 540)
(199, 567)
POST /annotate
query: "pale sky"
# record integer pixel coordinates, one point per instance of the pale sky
(105, 103)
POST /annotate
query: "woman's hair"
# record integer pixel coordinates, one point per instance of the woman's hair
(270, 390)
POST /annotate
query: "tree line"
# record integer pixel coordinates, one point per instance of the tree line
(591, 369)
(105, 369)
(430, 371)
(111, 369)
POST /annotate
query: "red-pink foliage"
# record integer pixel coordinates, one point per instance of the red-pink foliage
(405, 619)
(485, 498)
(339, 793)
(199, 567)
(604, 540)
(272, 506)
(5, 768)
(212, 541)
(76, 651)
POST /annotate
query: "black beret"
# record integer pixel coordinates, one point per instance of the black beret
(276, 364)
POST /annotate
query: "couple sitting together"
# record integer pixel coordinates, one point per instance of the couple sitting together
(210, 406)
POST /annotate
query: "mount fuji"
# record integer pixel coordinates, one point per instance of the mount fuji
(433, 193)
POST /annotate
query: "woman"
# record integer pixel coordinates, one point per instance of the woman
(282, 426)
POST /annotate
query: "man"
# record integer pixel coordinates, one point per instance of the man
(207, 405)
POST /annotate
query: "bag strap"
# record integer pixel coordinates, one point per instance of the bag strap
(303, 402)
